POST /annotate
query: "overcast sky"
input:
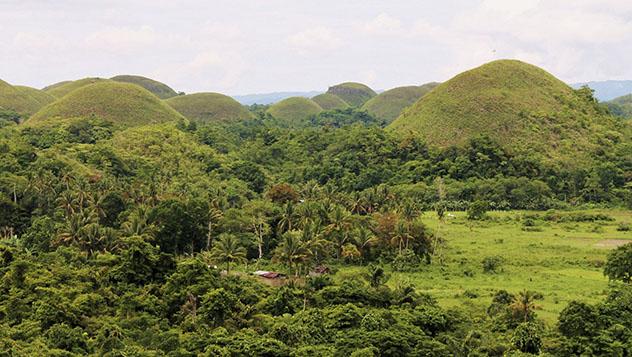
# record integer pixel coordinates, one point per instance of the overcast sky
(250, 46)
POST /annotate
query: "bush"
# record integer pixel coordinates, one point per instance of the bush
(526, 338)
(619, 264)
(624, 227)
(406, 261)
(477, 210)
(492, 264)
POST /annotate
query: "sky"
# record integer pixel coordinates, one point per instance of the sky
(257, 46)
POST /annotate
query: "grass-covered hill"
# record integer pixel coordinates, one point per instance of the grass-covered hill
(621, 106)
(329, 101)
(39, 95)
(60, 89)
(518, 105)
(19, 99)
(389, 104)
(355, 94)
(294, 111)
(124, 104)
(161, 90)
(205, 107)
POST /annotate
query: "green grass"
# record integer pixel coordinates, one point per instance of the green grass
(355, 94)
(563, 261)
(294, 111)
(39, 95)
(207, 107)
(159, 89)
(19, 99)
(60, 89)
(329, 101)
(521, 106)
(121, 103)
(388, 105)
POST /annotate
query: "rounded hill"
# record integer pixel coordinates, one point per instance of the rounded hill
(388, 105)
(60, 89)
(39, 95)
(159, 89)
(18, 99)
(355, 94)
(206, 107)
(518, 105)
(294, 111)
(329, 101)
(120, 103)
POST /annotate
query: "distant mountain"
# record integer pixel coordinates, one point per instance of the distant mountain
(607, 90)
(270, 98)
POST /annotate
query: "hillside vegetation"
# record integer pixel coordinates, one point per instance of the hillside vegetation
(621, 106)
(159, 89)
(519, 105)
(60, 89)
(120, 103)
(355, 94)
(209, 107)
(294, 111)
(388, 105)
(329, 101)
(18, 99)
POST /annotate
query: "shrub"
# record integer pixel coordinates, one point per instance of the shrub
(406, 261)
(477, 210)
(619, 264)
(492, 264)
(526, 338)
(624, 227)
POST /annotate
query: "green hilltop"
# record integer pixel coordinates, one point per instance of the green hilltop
(520, 106)
(39, 95)
(161, 90)
(120, 103)
(209, 107)
(329, 101)
(388, 105)
(621, 106)
(294, 111)
(60, 89)
(355, 94)
(19, 99)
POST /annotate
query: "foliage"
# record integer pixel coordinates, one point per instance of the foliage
(619, 264)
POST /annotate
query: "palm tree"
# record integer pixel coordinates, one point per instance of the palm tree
(228, 249)
(291, 251)
(340, 222)
(401, 236)
(363, 238)
(523, 305)
(287, 218)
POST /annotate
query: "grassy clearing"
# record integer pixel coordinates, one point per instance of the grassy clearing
(562, 261)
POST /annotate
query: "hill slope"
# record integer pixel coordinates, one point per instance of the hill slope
(294, 111)
(121, 103)
(209, 107)
(520, 106)
(355, 94)
(159, 89)
(39, 95)
(621, 106)
(388, 105)
(18, 99)
(60, 89)
(329, 101)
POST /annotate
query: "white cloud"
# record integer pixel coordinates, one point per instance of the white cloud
(123, 39)
(315, 40)
(383, 24)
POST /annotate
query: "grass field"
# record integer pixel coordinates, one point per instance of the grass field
(563, 261)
